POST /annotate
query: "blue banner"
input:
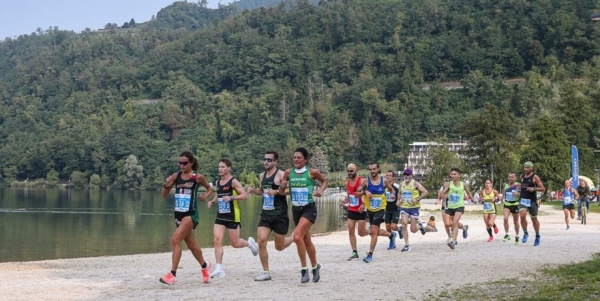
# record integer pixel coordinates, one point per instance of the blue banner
(575, 166)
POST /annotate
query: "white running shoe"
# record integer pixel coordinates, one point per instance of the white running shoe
(264, 276)
(253, 246)
(217, 274)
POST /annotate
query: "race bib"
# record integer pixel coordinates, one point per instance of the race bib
(526, 202)
(454, 199)
(376, 202)
(567, 200)
(487, 206)
(388, 196)
(268, 202)
(353, 201)
(224, 207)
(509, 197)
(182, 202)
(407, 195)
(300, 196)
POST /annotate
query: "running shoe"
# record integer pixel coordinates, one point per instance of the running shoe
(465, 231)
(406, 248)
(392, 241)
(353, 256)
(368, 258)
(516, 240)
(449, 239)
(206, 273)
(490, 239)
(506, 238)
(495, 229)
(217, 274)
(305, 278)
(452, 245)
(525, 237)
(168, 279)
(568, 227)
(264, 276)
(422, 229)
(537, 240)
(317, 273)
(252, 246)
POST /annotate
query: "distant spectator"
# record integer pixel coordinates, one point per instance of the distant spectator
(431, 225)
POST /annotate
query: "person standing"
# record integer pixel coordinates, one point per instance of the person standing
(186, 183)
(488, 197)
(373, 190)
(530, 185)
(356, 209)
(569, 195)
(392, 211)
(301, 181)
(274, 216)
(511, 206)
(456, 192)
(229, 192)
(410, 204)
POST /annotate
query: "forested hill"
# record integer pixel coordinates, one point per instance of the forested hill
(343, 78)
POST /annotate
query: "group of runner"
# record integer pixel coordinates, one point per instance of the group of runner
(375, 198)
(298, 182)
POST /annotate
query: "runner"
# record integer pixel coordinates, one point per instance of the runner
(569, 195)
(511, 206)
(410, 204)
(186, 184)
(456, 191)
(392, 211)
(373, 188)
(302, 189)
(489, 196)
(274, 216)
(356, 209)
(530, 184)
(229, 192)
(443, 199)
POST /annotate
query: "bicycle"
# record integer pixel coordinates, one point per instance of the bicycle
(584, 210)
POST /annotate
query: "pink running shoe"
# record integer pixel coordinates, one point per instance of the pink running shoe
(168, 279)
(490, 239)
(206, 273)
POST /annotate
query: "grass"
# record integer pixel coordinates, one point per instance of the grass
(580, 281)
(558, 205)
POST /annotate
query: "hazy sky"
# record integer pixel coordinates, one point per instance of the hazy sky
(25, 16)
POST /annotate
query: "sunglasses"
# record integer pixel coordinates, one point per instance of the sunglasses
(183, 163)
(268, 159)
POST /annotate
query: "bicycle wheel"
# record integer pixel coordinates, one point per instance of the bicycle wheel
(583, 215)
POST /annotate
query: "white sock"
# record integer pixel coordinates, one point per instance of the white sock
(219, 267)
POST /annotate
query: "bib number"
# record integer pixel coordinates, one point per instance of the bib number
(388, 196)
(353, 201)
(300, 196)
(375, 202)
(182, 202)
(224, 207)
(487, 206)
(268, 202)
(567, 200)
(454, 199)
(407, 195)
(509, 197)
(526, 202)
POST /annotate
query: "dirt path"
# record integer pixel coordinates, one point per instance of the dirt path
(417, 274)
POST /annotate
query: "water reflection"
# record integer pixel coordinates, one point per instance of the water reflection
(41, 224)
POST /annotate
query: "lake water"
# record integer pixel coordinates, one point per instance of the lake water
(40, 224)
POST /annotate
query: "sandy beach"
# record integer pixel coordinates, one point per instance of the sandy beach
(428, 269)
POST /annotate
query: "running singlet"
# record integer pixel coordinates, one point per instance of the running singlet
(488, 202)
(568, 196)
(377, 202)
(409, 192)
(527, 197)
(273, 205)
(301, 188)
(228, 210)
(391, 203)
(510, 199)
(185, 193)
(456, 195)
(353, 201)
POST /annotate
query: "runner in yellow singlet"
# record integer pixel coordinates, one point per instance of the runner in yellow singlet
(489, 195)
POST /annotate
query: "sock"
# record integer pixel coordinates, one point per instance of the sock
(495, 225)
(525, 231)
(537, 233)
(489, 230)
(219, 267)
(354, 251)
(174, 272)
(204, 265)
(391, 236)
(315, 266)
(370, 253)
(304, 268)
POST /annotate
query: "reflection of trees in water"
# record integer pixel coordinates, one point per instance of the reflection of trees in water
(132, 207)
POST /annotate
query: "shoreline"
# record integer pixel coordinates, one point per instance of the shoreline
(422, 273)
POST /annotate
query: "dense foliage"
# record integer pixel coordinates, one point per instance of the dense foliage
(346, 76)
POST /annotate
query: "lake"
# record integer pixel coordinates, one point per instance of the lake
(41, 224)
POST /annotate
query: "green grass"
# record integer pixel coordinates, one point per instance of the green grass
(580, 281)
(558, 205)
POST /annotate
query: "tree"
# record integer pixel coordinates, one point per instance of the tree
(130, 173)
(95, 181)
(52, 178)
(78, 179)
(442, 160)
(319, 161)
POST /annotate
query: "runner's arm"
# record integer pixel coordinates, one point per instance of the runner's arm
(201, 179)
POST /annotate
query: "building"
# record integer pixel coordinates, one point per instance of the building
(418, 156)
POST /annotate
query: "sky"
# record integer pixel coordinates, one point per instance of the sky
(25, 16)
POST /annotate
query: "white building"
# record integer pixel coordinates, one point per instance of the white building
(418, 156)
